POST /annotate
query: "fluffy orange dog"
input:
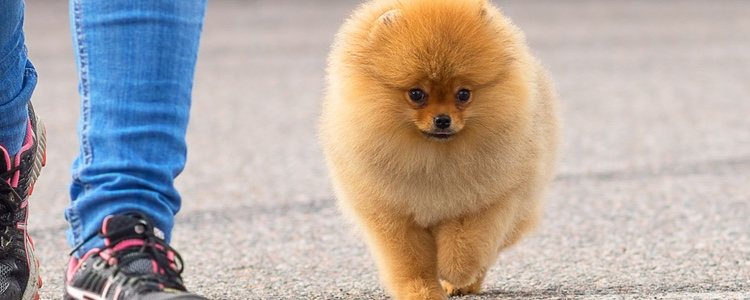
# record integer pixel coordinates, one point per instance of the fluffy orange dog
(440, 131)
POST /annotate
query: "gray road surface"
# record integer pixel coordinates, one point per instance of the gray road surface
(652, 199)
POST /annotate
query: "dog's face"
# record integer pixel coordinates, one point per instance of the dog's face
(442, 63)
(438, 108)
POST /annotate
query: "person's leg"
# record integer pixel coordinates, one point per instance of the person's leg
(21, 158)
(136, 60)
(17, 77)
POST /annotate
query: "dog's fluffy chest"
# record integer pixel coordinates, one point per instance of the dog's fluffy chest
(448, 190)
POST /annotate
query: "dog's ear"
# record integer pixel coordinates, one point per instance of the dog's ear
(388, 18)
(484, 7)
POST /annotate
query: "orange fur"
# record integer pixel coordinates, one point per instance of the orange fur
(436, 213)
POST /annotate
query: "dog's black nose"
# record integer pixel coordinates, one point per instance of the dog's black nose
(442, 121)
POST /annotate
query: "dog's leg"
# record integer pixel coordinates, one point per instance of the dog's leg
(468, 246)
(406, 256)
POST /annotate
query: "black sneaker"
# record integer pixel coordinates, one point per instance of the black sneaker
(136, 263)
(19, 268)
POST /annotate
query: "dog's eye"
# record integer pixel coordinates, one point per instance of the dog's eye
(463, 95)
(417, 96)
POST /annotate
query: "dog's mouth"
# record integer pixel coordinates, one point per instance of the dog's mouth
(439, 135)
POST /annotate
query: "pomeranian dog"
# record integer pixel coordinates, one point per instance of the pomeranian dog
(440, 131)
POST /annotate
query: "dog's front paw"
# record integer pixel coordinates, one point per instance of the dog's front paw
(421, 290)
(452, 290)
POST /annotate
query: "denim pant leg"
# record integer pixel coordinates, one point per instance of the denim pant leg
(136, 60)
(17, 76)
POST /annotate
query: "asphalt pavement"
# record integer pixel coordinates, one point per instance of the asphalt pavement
(652, 198)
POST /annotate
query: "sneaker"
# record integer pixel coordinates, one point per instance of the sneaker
(19, 268)
(135, 263)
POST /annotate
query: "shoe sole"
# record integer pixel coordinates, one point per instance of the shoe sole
(40, 160)
(72, 293)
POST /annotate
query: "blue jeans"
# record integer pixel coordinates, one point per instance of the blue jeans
(17, 77)
(136, 60)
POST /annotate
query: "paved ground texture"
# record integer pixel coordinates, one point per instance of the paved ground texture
(652, 199)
